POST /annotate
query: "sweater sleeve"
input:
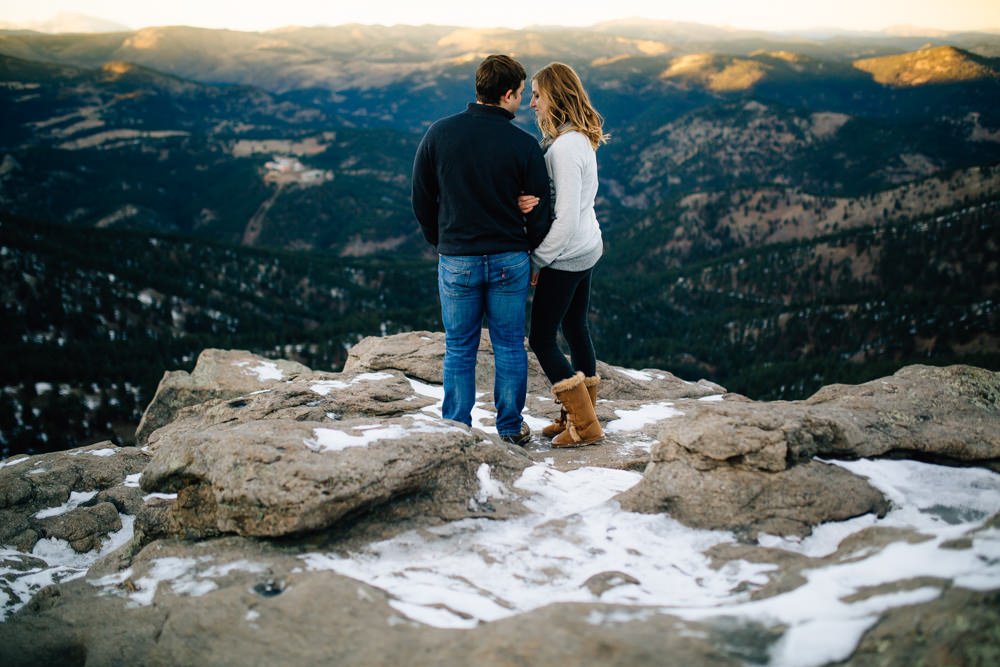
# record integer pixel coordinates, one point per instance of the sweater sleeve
(566, 169)
(538, 221)
(425, 192)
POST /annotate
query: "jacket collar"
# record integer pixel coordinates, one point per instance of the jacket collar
(489, 110)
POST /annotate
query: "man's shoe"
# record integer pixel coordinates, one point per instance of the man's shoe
(518, 438)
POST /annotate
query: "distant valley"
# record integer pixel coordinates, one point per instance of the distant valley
(867, 169)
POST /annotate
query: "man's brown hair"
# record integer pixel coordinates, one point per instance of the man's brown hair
(495, 76)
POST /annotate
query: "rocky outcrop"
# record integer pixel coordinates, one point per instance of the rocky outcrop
(945, 414)
(74, 496)
(729, 464)
(749, 466)
(418, 354)
(272, 494)
(310, 452)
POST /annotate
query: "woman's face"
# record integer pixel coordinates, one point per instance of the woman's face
(538, 101)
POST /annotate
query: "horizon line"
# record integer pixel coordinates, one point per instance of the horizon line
(34, 25)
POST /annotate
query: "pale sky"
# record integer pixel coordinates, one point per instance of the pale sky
(762, 15)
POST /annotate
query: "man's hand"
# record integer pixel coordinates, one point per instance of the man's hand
(526, 203)
(534, 278)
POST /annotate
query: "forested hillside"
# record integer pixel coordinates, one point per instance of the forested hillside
(92, 319)
(781, 320)
(126, 147)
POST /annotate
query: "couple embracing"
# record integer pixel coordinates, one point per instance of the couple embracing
(503, 216)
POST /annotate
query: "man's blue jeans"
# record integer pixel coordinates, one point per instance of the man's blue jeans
(495, 286)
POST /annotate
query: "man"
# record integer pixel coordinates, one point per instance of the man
(467, 175)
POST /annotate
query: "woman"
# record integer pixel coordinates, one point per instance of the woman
(562, 264)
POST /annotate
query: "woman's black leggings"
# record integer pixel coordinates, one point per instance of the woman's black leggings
(562, 297)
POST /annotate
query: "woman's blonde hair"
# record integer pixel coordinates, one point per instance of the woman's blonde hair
(569, 105)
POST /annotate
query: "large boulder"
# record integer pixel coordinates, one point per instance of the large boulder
(748, 502)
(277, 477)
(75, 495)
(748, 466)
(217, 374)
(418, 354)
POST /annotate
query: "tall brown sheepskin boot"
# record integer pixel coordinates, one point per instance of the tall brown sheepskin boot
(558, 424)
(582, 427)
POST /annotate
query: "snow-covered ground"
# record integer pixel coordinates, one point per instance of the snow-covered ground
(61, 563)
(483, 570)
(480, 570)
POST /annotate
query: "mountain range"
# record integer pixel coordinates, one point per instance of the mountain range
(732, 152)
(331, 99)
(66, 22)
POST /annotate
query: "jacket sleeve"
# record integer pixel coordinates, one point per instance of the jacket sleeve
(567, 182)
(425, 192)
(539, 219)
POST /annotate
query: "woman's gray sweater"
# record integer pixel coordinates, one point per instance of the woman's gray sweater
(574, 240)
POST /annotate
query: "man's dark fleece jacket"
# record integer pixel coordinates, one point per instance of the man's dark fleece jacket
(467, 175)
